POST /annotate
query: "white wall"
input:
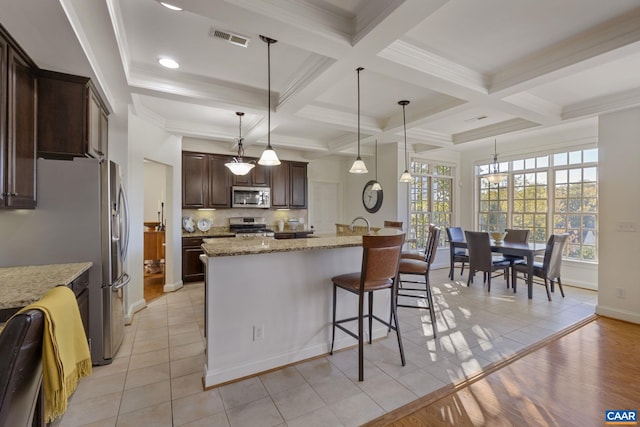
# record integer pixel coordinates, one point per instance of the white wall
(155, 178)
(146, 140)
(619, 201)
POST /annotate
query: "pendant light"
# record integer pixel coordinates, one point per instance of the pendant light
(358, 166)
(237, 165)
(269, 156)
(495, 177)
(376, 185)
(406, 176)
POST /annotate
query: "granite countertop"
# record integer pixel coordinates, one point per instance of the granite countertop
(20, 286)
(256, 245)
(211, 233)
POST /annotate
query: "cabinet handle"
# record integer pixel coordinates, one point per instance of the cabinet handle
(14, 194)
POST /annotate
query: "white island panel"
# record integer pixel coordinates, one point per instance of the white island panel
(286, 294)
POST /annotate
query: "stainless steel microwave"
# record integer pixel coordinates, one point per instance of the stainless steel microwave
(251, 197)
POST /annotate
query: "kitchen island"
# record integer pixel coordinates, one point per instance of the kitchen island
(269, 302)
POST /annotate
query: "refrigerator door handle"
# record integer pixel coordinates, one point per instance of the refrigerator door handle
(125, 204)
(121, 282)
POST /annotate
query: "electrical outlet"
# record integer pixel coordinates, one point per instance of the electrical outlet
(258, 332)
(619, 293)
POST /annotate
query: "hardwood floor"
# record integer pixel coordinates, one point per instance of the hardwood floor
(568, 380)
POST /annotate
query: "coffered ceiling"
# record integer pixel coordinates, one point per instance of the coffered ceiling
(473, 70)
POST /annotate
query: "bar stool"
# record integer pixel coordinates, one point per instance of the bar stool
(410, 266)
(379, 271)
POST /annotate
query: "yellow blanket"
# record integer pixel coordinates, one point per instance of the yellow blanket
(65, 352)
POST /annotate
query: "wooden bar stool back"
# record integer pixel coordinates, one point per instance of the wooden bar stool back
(379, 271)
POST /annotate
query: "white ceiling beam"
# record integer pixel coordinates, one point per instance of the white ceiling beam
(339, 119)
(599, 105)
(493, 130)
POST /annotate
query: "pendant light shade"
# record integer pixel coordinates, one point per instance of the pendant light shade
(237, 165)
(269, 156)
(358, 166)
(406, 176)
(495, 177)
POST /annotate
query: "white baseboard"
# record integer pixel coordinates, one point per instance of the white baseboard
(133, 309)
(616, 313)
(171, 287)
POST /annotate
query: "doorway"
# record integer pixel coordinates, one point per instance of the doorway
(325, 206)
(155, 214)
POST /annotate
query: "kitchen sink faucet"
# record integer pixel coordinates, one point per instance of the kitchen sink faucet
(364, 219)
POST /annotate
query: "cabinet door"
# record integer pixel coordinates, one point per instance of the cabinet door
(62, 115)
(298, 185)
(83, 306)
(4, 47)
(94, 134)
(280, 185)
(194, 180)
(21, 141)
(192, 267)
(219, 182)
(262, 175)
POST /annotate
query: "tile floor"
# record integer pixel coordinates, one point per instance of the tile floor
(156, 379)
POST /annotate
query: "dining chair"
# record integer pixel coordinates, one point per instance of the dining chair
(456, 254)
(21, 396)
(549, 269)
(379, 271)
(515, 236)
(415, 267)
(393, 224)
(481, 259)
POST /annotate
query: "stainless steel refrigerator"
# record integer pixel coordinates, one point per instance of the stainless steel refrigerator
(81, 215)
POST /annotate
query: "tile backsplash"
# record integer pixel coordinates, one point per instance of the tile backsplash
(220, 217)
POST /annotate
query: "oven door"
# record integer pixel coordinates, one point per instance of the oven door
(250, 197)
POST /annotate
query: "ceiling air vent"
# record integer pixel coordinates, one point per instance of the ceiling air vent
(230, 37)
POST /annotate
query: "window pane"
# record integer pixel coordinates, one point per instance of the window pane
(575, 157)
(518, 165)
(530, 164)
(542, 162)
(560, 159)
(590, 155)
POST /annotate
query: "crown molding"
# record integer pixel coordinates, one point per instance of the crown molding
(313, 67)
(525, 100)
(411, 56)
(493, 130)
(142, 111)
(603, 104)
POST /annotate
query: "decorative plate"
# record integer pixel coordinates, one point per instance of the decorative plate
(204, 225)
(188, 224)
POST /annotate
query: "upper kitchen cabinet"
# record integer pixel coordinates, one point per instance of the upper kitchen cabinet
(17, 126)
(259, 176)
(72, 119)
(206, 181)
(298, 185)
(289, 185)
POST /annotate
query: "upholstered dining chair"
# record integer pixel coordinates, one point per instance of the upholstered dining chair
(415, 267)
(480, 258)
(549, 269)
(21, 398)
(515, 236)
(379, 271)
(456, 234)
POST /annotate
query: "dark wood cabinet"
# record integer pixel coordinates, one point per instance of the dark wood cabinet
(259, 176)
(219, 182)
(72, 119)
(192, 267)
(280, 185)
(298, 185)
(206, 182)
(289, 185)
(17, 126)
(194, 180)
(80, 287)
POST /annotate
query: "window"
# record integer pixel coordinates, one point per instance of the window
(547, 194)
(430, 200)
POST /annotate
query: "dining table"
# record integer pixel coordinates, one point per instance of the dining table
(527, 251)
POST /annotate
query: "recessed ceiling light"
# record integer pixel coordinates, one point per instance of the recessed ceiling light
(168, 62)
(171, 7)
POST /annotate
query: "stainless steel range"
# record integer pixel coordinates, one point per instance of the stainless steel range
(249, 226)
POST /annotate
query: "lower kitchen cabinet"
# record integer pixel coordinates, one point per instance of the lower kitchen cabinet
(192, 268)
(80, 287)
